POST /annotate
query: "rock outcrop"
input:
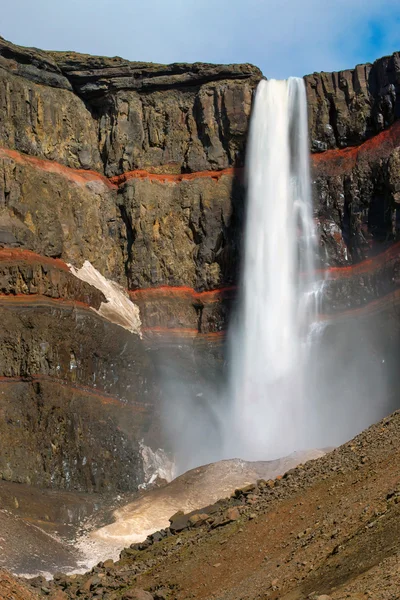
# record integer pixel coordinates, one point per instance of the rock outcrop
(79, 392)
(349, 107)
(138, 169)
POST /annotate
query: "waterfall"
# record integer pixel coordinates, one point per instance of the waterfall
(268, 338)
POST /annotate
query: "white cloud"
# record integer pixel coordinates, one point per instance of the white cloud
(283, 37)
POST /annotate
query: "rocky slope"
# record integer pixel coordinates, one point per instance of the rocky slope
(327, 530)
(138, 168)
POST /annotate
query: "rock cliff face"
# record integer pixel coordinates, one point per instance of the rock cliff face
(138, 168)
(78, 137)
(349, 107)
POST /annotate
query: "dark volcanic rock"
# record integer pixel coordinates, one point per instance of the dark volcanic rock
(71, 416)
(38, 118)
(180, 117)
(348, 107)
(61, 213)
(185, 233)
(136, 168)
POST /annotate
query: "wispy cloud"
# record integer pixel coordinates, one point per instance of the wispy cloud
(283, 37)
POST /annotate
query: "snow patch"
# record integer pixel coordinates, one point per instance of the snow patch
(156, 463)
(118, 309)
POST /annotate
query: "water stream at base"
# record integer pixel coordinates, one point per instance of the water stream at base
(279, 293)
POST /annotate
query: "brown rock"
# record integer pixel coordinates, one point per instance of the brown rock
(246, 490)
(63, 113)
(198, 519)
(109, 564)
(56, 212)
(46, 342)
(232, 514)
(58, 595)
(347, 107)
(13, 589)
(137, 594)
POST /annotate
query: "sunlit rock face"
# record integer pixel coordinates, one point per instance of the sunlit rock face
(138, 169)
(81, 229)
(348, 107)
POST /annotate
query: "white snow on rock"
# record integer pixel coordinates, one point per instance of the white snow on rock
(156, 464)
(118, 309)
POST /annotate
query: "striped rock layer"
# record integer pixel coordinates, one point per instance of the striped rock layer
(138, 169)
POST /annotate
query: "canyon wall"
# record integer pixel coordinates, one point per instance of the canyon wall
(138, 169)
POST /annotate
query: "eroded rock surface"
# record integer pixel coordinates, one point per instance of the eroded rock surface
(350, 106)
(138, 169)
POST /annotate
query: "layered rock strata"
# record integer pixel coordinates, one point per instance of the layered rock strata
(138, 169)
(79, 392)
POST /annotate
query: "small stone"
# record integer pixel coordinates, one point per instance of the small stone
(197, 519)
(252, 516)
(91, 583)
(176, 515)
(158, 536)
(109, 564)
(178, 522)
(232, 514)
(251, 499)
(38, 581)
(244, 491)
(217, 565)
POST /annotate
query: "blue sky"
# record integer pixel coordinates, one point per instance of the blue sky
(282, 37)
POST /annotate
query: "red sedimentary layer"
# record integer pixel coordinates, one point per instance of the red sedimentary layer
(83, 176)
(11, 255)
(391, 300)
(80, 176)
(330, 162)
(184, 292)
(365, 267)
(22, 256)
(174, 178)
(375, 306)
(336, 162)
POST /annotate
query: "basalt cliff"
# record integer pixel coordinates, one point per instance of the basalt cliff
(137, 169)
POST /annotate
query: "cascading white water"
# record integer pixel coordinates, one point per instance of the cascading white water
(295, 382)
(268, 347)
